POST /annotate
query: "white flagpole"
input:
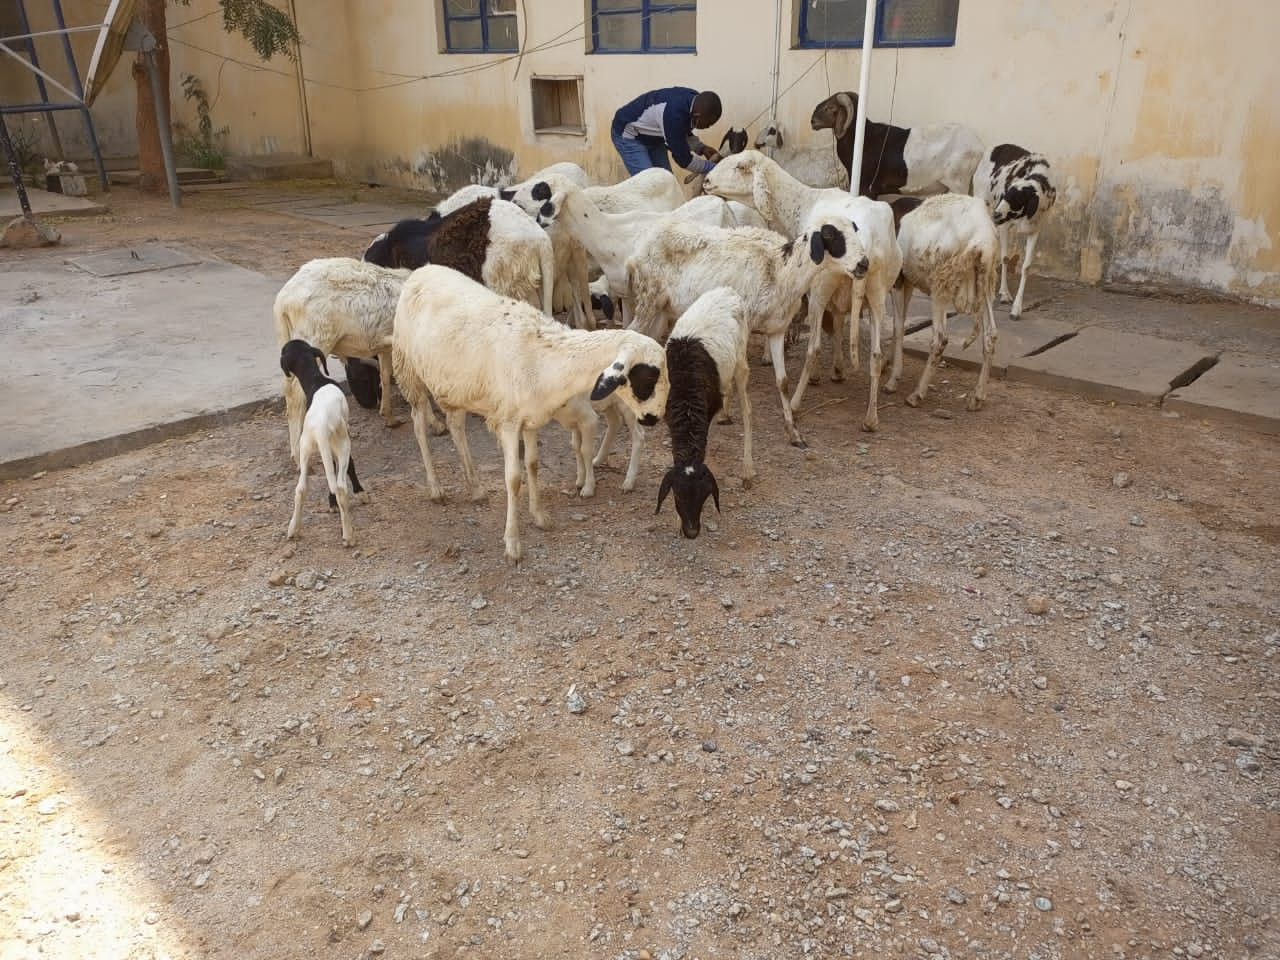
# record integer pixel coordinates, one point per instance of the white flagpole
(864, 82)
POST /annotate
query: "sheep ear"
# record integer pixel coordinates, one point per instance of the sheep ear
(541, 191)
(833, 241)
(850, 107)
(816, 250)
(715, 487)
(505, 194)
(777, 136)
(725, 139)
(1031, 202)
(319, 355)
(663, 489)
(608, 382)
(644, 378)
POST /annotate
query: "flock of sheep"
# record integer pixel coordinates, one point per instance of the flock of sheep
(460, 306)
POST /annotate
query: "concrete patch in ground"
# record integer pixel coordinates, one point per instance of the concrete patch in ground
(1239, 388)
(1015, 340)
(1112, 366)
(138, 259)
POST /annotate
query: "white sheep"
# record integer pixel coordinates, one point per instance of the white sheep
(903, 160)
(324, 432)
(949, 251)
(791, 207)
(474, 191)
(473, 350)
(1019, 194)
(814, 164)
(706, 358)
(681, 260)
(343, 307)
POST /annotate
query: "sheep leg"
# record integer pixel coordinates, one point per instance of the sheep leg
(1002, 232)
(1016, 310)
(434, 491)
(780, 378)
(612, 420)
(741, 377)
(457, 423)
(295, 407)
(299, 492)
(336, 459)
(586, 480)
(871, 422)
(384, 379)
(509, 439)
(637, 448)
(989, 336)
(899, 331)
(540, 518)
(811, 351)
(939, 343)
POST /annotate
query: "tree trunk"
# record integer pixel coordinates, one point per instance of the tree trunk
(150, 157)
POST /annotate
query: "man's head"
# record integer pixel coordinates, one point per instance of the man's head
(705, 110)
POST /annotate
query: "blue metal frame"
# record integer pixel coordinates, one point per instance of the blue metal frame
(880, 41)
(483, 17)
(46, 105)
(646, 9)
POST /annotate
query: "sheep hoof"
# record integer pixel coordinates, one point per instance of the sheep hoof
(1005, 298)
(974, 403)
(891, 386)
(587, 493)
(748, 482)
(514, 554)
(435, 496)
(542, 521)
(628, 486)
(364, 496)
(815, 379)
(871, 426)
(837, 376)
(726, 419)
(393, 422)
(1015, 316)
(798, 441)
(913, 400)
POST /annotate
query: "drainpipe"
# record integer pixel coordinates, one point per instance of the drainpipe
(864, 82)
(777, 64)
(302, 86)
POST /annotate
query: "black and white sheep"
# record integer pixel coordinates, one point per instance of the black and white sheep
(949, 251)
(324, 432)
(475, 351)
(490, 240)
(912, 160)
(706, 358)
(343, 307)
(1015, 184)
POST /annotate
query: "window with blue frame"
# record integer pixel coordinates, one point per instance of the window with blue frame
(899, 23)
(479, 26)
(643, 26)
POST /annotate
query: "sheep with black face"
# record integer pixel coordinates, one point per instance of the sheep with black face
(706, 357)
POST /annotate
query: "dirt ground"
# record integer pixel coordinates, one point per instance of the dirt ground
(982, 685)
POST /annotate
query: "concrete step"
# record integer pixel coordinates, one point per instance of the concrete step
(185, 175)
(279, 166)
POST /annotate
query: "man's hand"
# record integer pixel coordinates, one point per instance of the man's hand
(711, 153)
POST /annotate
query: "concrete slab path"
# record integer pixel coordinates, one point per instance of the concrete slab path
(1112, 366)
(1239, 388)
(46, 203)
(1014, 341)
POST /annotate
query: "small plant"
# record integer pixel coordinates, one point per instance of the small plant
(204, 146)
(25, 151)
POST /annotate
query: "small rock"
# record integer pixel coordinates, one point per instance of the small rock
(626, 748)
(886, 805)
(1123, 785)
(1121, 480)
(865, 915)
(893, 906)
(377, 947)
(955, 896)
(307, 580)
(1043, 904)
(710, 746)
(201, 879)
(22, 233)
(941, 414)
(1137, 521)
(1037, 604)
(1242, 738)
(1040, 683)
(479, 603)
(574, 701)
(364, 919)
(278, 578)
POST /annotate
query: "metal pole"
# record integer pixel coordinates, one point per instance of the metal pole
(25, 26)
(162, 121)
(302, 86)
(103, 179)
(15, 172)
(864, 83)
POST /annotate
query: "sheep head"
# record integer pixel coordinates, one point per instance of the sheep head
(735, 139)
(690, 484)
(296, 354)
(640, 367)
(739, 178)
(770, 136)
(365, 383)
(1018, 203)
(840, 242)
(835, 113)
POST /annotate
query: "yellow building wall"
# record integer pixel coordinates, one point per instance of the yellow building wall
(1162, 126)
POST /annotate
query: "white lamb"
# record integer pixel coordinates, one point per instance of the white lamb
(343, 307)
(950, 252)
(680, 261)
(475, 351)
(791, 207)
(815, 165)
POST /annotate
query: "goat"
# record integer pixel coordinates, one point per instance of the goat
(1015, 184)
(490, 240)
(344, 307)
(324, 431)
(706, 357)
(473, 350)
(913, 160)
(949, 251)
